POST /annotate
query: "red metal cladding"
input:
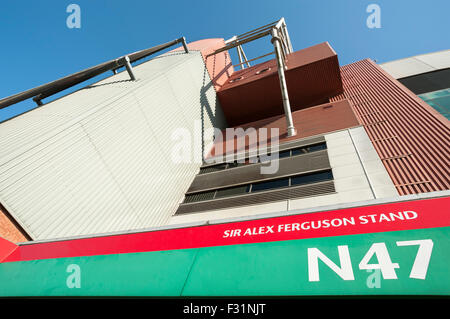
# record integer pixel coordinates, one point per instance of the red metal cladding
(312, 121)
(254, 93)
(411, 138)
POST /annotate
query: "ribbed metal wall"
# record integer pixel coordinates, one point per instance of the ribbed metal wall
(99, 159)
(411, 138)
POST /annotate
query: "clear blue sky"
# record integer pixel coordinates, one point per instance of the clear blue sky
(37, 47)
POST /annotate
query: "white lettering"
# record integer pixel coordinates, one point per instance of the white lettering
(345, 271)
(420, 266)
(384, 261)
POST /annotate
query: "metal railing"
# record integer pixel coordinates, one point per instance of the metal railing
(48, 89)
(282, 47)
(239, 40)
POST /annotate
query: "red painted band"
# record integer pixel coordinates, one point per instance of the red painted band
(6, 248)
(428, 213)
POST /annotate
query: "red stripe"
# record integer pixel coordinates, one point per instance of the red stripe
(6, 248)
(430, 213)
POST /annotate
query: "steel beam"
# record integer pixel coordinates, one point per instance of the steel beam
(59, 85)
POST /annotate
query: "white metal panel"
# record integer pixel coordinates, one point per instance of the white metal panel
(418, 64)
(98, 160)
(406, 67)
(438, 60)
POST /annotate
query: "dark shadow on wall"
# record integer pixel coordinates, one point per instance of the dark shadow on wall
(18, 228)
(214, 113)
(108, 83)
(226, 69)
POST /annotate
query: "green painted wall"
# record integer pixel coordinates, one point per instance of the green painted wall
(273, 268)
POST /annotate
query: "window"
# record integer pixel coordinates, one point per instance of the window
(309, 149)
(311, 178)
(299, 151)
(427, 82)
(439, 100)
(230, 191)
(264, 158)
(317, 147)
(261, 186)
(277, 183)
(284, 154)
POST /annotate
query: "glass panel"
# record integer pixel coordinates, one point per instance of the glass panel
(435, 94)
(441, 108)
(284, 154)
(299, 151)
(428, 82)
(237, 190)
(307, 149)
(444, 105)
(311, 178)
(278, 183)
(317, 147)
(439, 100)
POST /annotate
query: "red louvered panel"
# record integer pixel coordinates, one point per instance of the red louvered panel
(251, 94)
(411, 138)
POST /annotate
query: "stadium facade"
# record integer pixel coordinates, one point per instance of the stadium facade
(186, 175)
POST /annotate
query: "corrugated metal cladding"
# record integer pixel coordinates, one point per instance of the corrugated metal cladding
(411, 138)
(99, 159)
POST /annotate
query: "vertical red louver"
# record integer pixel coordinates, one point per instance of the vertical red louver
(411, 138)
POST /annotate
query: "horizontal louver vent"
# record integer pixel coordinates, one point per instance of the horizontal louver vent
(259, 198)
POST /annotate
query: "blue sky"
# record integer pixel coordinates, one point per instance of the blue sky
(38, 47)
